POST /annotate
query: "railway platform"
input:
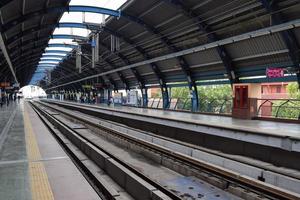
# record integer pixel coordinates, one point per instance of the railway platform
(259, 126)
(32, 163)
(181, 125)
(62, 150)
(184, 62)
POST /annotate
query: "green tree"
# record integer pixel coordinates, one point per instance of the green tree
(180, 92)
(288, 109)
(216, 98)
(215, 92)
(293, 90)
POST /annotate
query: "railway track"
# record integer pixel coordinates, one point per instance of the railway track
(229, 181)
(283, 177)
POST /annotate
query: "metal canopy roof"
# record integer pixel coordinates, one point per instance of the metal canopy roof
(157, 31)
(21, 22)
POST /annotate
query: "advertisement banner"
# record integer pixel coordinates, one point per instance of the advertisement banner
(88, 87)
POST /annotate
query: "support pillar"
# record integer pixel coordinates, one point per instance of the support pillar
(194, 99)
(165, 97)
(145, 97)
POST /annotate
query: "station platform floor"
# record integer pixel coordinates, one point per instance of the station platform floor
(32, 163)
(255, 126)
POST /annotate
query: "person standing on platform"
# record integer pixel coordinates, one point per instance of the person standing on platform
(1, 100)
(7, 99)
(108, 101)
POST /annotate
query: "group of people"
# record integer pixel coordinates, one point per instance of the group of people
(87, 99)
(80, 98)
(7, 97)
(77, 97)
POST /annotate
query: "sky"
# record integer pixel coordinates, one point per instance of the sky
(73, 17)
(31, 91)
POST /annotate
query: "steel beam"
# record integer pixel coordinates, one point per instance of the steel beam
(59, 9)
(159, 75)
(57, 51)
(288, 36)
(68, 67)
(4, 51)
(51, 59)
(71, 25)
(76, 25)
(23, 57)
(4, 2)
(182, 61)
(91, 9)
(66, 36)
(54, 56)
(12, 23)
(62, 45)
(258, 33)
(126, 62)
(212, 37)
(112, 82)
(120, 75)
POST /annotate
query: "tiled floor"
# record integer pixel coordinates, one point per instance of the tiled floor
(18, 165)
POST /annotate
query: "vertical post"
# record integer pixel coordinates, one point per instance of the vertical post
(93, 51)
(112, 43)
(165, 97)
(194, 99)
(5, 53)
(97, 47)
(78, 58)
(145, 97)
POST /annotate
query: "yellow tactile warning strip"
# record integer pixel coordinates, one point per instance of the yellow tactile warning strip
(39, 183)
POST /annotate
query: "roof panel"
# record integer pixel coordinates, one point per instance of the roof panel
(11, 11)
(169, 30)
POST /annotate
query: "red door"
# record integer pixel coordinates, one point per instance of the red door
(241, 97)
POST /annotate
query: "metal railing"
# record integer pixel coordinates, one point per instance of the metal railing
(216, 106)
(266, 108)
(279, 108)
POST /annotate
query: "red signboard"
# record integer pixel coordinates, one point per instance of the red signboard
(275, 72)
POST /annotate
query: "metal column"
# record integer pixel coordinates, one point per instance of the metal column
(145, 97)
(165, 97)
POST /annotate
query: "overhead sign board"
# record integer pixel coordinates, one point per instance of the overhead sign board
(275, 72)
(87, 86)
